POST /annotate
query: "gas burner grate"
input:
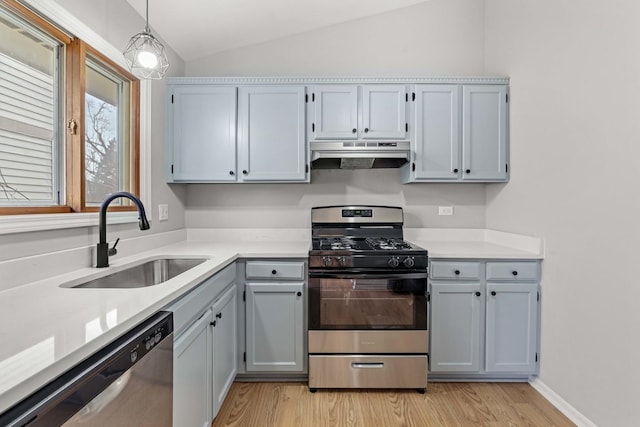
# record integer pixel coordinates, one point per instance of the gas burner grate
(387, 244)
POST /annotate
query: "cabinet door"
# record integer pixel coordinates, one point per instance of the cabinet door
(456, 326)
(336, 112)
(203, 131)
(437, 138)
(484, 132)
(384, 112)
(271, 133)
(191, 367)
(224, 346)
(274, 327)
(512, 319)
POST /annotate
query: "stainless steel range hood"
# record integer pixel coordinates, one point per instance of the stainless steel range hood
(359, 154)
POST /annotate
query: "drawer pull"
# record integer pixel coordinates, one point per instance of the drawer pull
(493, 293)
(274, 272)
(367, 365)
(457, 272)
(514, 272)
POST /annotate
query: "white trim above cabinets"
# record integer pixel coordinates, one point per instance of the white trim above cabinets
(275, 129)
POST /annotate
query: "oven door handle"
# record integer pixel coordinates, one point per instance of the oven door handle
(365, 275)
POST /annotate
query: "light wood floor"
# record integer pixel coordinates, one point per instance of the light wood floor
(444, 404)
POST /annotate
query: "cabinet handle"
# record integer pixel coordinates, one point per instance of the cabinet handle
(244, 172)
(467, 171)
(366, 130)
(514, 272)
(457, 272)
(493, 293)
(213, 323)
(299, 294)
(274, 272)
(231, 173)
(455, 170)
(219, 315)
(478, 294)
(354, 130)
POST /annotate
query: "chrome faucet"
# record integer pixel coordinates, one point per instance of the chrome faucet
(103, 250)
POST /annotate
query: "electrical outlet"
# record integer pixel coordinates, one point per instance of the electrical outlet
(445, 210)
(163, 212)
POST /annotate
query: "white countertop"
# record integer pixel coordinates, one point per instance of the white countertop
(47, 329)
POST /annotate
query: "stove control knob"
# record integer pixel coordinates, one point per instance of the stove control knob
(342, 261)
(394, 261)
(327, 261)
(409, 262)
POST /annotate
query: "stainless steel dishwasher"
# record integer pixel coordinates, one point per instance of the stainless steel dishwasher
(127, 383)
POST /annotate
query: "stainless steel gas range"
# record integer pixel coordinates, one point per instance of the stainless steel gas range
(367, 301)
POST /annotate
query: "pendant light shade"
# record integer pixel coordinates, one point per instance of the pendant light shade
(145, 55)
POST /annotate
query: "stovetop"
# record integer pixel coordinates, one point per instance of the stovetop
(362, 237)
(371, 252)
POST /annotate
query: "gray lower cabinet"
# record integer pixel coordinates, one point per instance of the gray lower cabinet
(205, 361)
(225, 332)
(512, 319)
(275, 327)
(274, 317)
(192, 356)
(484, 318)
(456, 326)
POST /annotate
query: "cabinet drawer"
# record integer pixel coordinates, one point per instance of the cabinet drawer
(512, 271)
(454, 270)
(367, 371)
(275, 270)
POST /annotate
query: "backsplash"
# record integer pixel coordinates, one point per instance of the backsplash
(288, 205)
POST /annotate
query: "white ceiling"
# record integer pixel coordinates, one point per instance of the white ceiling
(199, 28)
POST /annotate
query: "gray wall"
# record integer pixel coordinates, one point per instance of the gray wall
(439, 37)
(115, 21)
(288, 205)
(575, 135)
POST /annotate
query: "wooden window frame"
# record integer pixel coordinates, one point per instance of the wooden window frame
(74, 105)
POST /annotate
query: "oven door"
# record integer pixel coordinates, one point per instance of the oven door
(364, 300)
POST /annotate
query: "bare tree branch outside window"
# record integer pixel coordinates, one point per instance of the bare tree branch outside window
(101, 149)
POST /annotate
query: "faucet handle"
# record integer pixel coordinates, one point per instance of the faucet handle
(112, 250)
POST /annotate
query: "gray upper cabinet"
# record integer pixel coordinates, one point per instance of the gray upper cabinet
(271, 134)
(346, 112)
(484, 133)
(262, 129)
(461, 134)
(437, 132)
(336, 112)
(384, 112)
(202, 127)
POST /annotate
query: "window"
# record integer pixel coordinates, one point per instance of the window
(69, 130)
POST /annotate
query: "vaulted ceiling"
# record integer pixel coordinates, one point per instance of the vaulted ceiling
(199, 28)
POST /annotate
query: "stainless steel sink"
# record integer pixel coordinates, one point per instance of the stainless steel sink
(150, 273)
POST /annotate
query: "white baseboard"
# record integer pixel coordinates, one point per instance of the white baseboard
(563, 406)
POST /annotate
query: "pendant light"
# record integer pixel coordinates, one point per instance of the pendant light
(145, 55)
